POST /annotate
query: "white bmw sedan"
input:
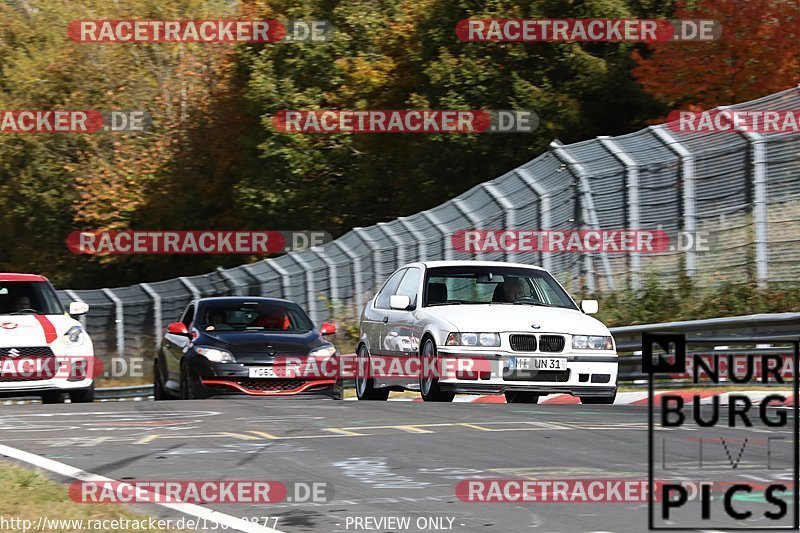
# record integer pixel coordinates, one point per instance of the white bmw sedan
(477, 327)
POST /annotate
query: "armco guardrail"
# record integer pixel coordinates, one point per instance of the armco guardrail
(629, 339)
(761, 327)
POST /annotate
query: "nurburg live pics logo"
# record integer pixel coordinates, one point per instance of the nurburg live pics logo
(692, 438)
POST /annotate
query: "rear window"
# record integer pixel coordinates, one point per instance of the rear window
(29, 297)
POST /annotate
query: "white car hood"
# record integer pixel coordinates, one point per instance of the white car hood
(507, 317)
(33, 330)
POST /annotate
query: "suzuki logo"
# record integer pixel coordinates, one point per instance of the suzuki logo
(13, 352)
(9, 325)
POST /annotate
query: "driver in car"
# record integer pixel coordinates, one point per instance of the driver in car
(513, 289)
(22, 302)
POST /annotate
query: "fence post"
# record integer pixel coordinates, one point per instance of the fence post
(459, 204)
(632, 185)
(310, 288)
(333, 280)
(284, 274)
(588, 201)
(440, 227)
(120, 321)
(157, 320)
(369, 243)
(760, 217)
(189, 285)
(508, 213)
(422, 246)
(72, 294)
(358, 280)
(398, 242)
(544, 209)
(687, 176)
(229, 281)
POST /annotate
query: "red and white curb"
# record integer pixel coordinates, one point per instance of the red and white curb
(623, 398)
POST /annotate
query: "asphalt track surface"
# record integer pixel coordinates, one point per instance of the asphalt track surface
(381, 459)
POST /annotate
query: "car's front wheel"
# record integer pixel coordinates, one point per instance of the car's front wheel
(517, 396)
(365, 385)
(53, 397)
(82, 395)
(598, 400)
(159, 393)
(185, 385)
(428, 382)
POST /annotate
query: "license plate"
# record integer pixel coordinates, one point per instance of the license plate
(537, 363)
(261, 372)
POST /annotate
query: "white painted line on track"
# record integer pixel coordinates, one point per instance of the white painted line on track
(231, 522)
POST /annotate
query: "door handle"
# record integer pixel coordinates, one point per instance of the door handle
(385, 319)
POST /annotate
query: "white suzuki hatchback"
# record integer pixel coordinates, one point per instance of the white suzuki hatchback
(43, 350)
(477, 327)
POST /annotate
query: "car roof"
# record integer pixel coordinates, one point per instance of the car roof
(434, 264)
(220, 299)
(10, 276)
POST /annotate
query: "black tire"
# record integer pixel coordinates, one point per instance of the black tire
(53, 396)
(159, 392)
(428, 382)
(598, 400)
(82, 395)
(185, 384)
(365, 385)
(516, 396)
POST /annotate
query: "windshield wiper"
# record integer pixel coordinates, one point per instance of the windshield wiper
(540, 304)
(454, 302)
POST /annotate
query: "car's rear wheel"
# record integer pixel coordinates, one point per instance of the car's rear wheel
(82, 395)
(365, 385)
(598, 400)
(428, 382)
(53, 397)
(517, 396)
(159, 393)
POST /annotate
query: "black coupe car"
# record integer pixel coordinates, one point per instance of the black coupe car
(236, 345)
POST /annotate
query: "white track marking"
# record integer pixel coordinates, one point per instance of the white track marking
(236, 524)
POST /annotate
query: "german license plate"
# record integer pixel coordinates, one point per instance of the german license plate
(261, 372)
(537, 363)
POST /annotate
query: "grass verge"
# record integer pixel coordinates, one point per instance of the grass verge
(28, 494)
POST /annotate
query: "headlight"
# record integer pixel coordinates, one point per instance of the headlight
(473, 339)
(591, 342)
(215, 355)
(74, 335)
(323, 351)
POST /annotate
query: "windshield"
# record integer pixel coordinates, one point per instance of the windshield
(496, 285)
(29, 298)
(254, 316)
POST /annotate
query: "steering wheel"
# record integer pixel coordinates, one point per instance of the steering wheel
(26, 311)
(527, 298)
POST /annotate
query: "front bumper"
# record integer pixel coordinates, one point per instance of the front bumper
(209, 379)
(586, 374)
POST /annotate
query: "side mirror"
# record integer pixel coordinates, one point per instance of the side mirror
(590, 307)
(78, 308)
(399, 302)
(327, 329)
(178, 328)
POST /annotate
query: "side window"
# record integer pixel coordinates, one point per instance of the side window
(410, 285)
(382, 301)
(188, 316)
